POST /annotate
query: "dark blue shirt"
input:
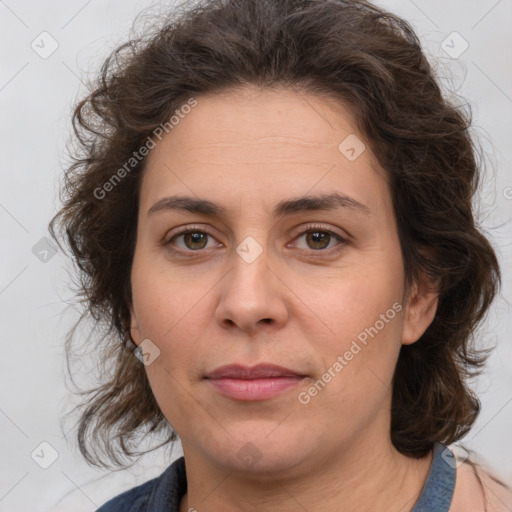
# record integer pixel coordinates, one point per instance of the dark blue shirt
(164, 493)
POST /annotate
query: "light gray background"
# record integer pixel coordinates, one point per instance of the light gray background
(36, 98)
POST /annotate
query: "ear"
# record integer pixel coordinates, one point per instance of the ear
(420, 309)
(134, 327)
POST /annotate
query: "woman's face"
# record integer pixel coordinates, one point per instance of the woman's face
(293, 259)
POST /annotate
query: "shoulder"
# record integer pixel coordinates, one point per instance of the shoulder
(477, 490)
(133, 500)
(162, 492)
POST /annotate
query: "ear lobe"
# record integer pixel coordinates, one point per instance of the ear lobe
(420, 310)
(134, 327)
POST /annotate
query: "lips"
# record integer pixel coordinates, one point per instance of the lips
(260, 382)
(260, 371)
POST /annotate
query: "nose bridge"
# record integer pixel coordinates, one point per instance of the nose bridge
(250, 293)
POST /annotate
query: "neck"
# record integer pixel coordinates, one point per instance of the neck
(353, 479)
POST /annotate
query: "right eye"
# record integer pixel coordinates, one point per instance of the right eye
(191, 240)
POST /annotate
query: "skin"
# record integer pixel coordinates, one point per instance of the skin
(296, 306)
(478, 490)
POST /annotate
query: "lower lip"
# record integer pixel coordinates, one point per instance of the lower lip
(254, 389)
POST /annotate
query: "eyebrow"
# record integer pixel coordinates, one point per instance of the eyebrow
(327, 202)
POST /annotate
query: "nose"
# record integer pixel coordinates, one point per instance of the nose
(252, 296)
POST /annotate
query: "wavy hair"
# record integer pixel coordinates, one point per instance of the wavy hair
(372, 62)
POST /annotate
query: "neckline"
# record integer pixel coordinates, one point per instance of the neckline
(436, 495)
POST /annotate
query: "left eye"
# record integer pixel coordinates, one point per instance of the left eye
(319, 239)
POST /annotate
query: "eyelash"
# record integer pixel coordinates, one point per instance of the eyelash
(310, 229)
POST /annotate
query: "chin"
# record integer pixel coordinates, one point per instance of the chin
(263, 449)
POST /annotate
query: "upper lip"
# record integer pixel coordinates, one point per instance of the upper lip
(260, 371)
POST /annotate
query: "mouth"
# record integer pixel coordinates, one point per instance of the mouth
(261, 382)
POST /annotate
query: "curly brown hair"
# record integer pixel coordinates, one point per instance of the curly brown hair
(364, 57)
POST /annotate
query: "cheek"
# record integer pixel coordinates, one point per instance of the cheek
(358, 364)
(164, 302)
(363, 293)
(364, 313)
(173, 318)
(174, 313)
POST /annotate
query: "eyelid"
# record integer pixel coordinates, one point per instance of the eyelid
(321, 227)
(187, 229)
(342, 239)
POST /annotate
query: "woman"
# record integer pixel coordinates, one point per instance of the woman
(272, 213)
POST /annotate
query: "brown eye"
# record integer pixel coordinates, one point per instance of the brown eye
(190, 240)
(195, 240)
(318, 239)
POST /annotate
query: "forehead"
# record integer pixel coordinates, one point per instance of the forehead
(263, 142)
(264, 118)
